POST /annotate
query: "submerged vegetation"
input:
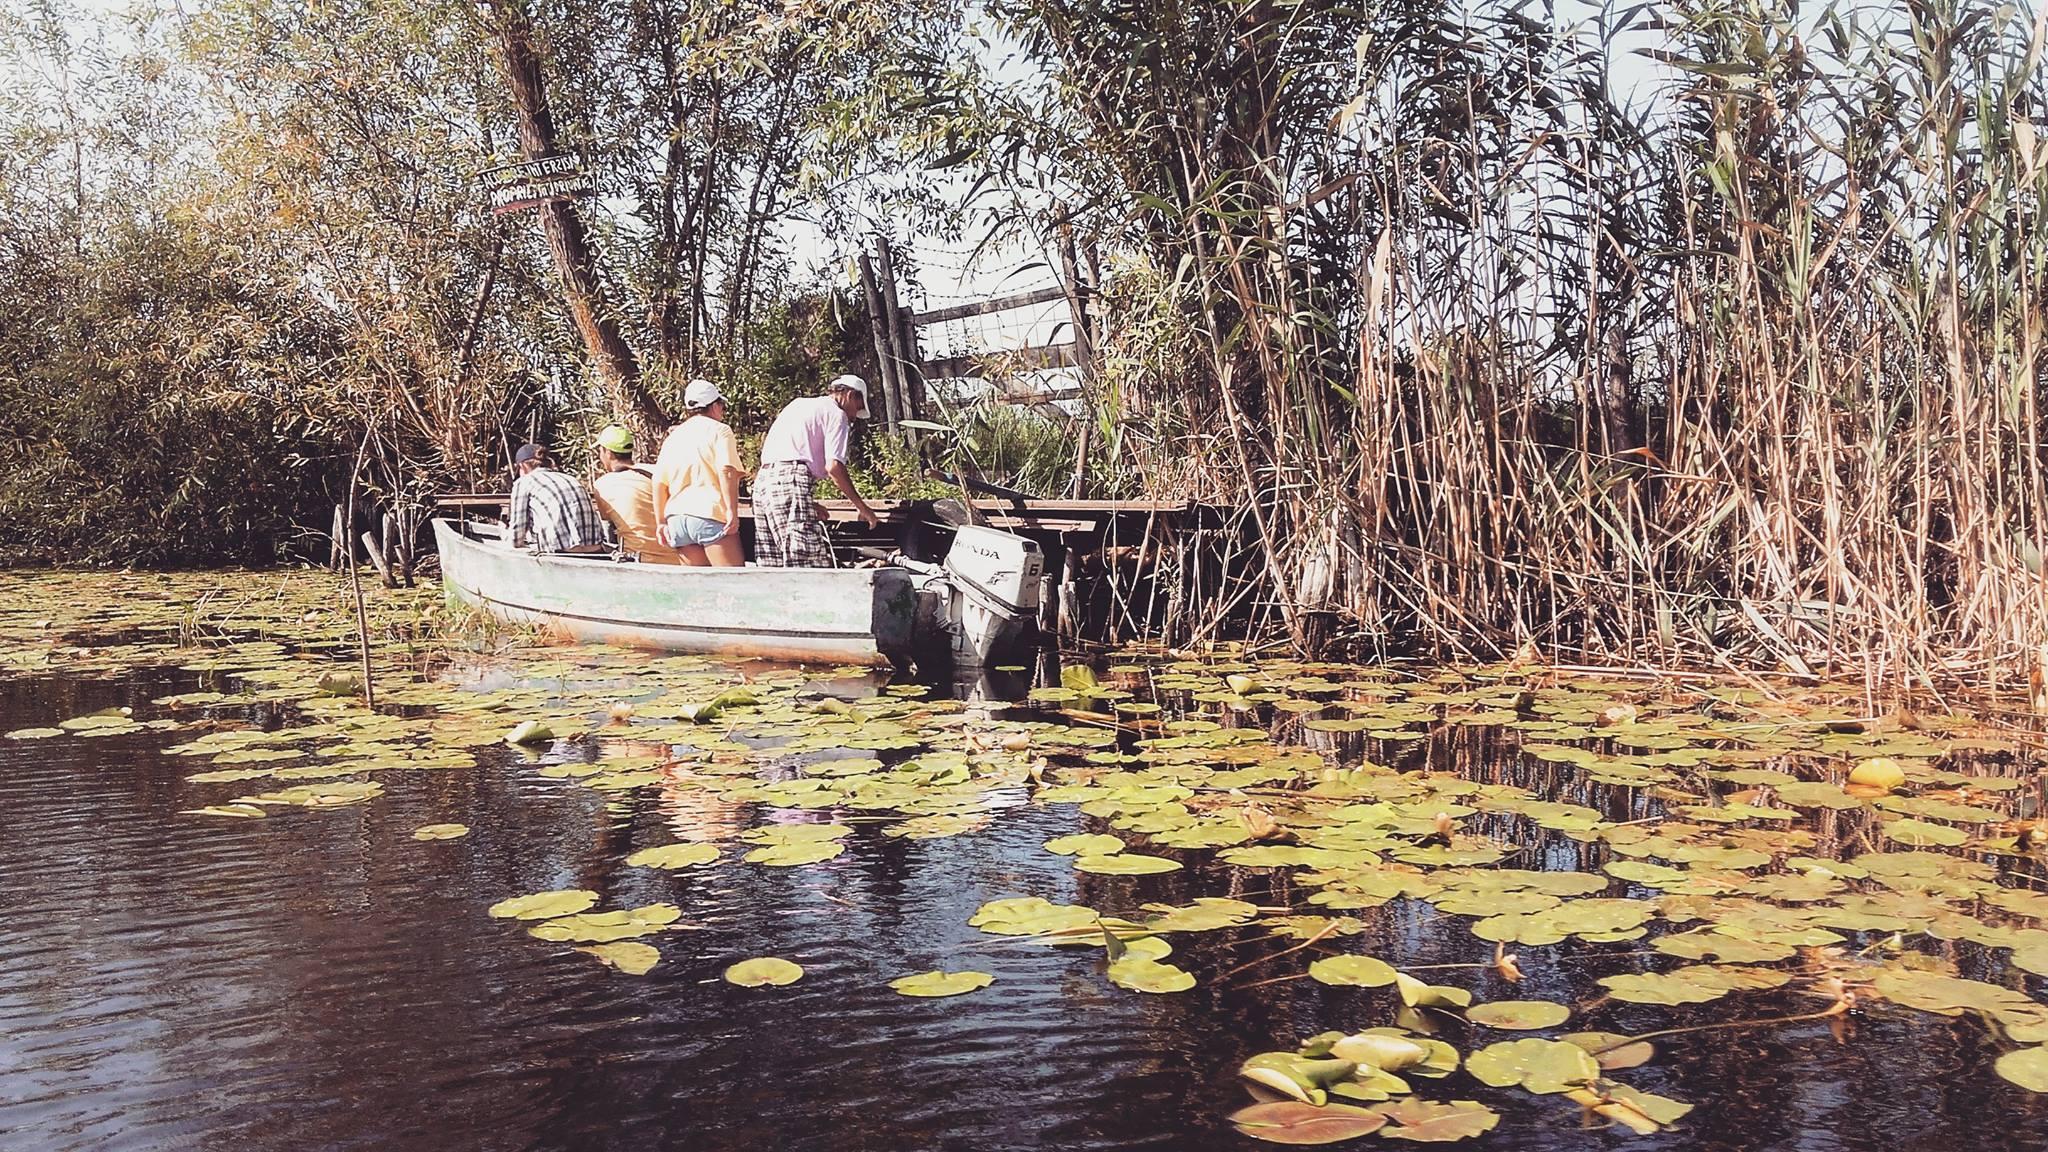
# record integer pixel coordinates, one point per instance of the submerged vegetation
(1632, 848)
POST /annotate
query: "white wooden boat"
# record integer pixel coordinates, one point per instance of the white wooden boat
(837, 615)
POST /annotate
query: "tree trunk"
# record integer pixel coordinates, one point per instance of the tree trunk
(569, 244)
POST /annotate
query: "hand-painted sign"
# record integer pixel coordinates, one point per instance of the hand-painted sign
(511, 187)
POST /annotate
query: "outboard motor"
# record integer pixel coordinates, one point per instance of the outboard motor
(983, 597)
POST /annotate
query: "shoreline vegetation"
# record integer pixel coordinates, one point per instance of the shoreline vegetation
(1488, 348)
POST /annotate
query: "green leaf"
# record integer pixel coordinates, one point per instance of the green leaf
(1084, 844)
(440, 831)
(1519, 1015)
(544, 905)
(1353, 971)
(1142, 975)
(633, 959)
(936, 983)
(2027, 1068)
(1544, 1067)
(1126, 864)
(1295, 1122)
(763, 970)
(1428, 1122)
(674, 856)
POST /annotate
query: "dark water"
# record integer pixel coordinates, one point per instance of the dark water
(318, 980)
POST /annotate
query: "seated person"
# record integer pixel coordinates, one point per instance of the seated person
(550, 511)
(625, 497)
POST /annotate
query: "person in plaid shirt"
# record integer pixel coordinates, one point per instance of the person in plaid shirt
(550, 511)
(807, 443)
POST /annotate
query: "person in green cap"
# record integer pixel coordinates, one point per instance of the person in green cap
(625, 497)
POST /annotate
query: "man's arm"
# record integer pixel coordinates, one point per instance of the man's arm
(844, 482)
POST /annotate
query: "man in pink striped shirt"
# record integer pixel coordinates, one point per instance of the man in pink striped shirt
(807, 442)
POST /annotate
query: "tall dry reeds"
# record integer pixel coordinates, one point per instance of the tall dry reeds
(1745, 376)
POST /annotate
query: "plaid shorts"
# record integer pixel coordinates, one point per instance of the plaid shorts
(787, 532)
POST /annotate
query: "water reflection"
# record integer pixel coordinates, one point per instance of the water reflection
(319, 980)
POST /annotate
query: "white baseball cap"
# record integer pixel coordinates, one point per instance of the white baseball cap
(855, 384)
(701, 393)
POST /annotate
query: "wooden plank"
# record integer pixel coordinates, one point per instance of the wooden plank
(993, 304)
(1026, 359)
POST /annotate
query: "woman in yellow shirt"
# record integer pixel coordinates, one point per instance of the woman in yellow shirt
(697, 482)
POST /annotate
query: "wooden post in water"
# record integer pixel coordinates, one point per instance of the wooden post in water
(878, 332)
(337, 540)
(355, 579)
(903, 335)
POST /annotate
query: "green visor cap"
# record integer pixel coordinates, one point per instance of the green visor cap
(615, 438)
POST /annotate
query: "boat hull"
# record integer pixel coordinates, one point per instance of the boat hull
(844, 615)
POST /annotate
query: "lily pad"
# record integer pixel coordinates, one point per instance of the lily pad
(2028, 1068)
(936, 983)
(1429, 1122)
(763, 971)
(674, 856)
(1353, 971)
(1295, 1122)
(1084, 844)
(440, 831)
(1612, 1050)
(1143, 975)
(1544, 1067)
(632, 958)
(796, 854)
(1519, 1015)
(544, 905)
(1126, 864)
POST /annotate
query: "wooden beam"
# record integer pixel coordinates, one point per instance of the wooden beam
(1026, 359)
(993, 304)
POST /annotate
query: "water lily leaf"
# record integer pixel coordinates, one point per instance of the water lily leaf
(795, 854)
(763, 970)
(1380, 1050)
(1612, 1050)
(1295, 1122)
(1126, 864)
(1694, 985)
(674, 856)
(1144, 975)
(1353, 971)
(1544, 1067)
(1428, 1122)
(530, 732)
(34, 733)
(544, 905)
(1417, 994)
(2027, 1067)
(1709, 944)
(1206, 914)
(1816, 794)
(244, 811)
(936, 983)
(1920, 833)
(1029, 916)
(634, 959)
(1519, 1015)
(1084, 844)
(440, 831)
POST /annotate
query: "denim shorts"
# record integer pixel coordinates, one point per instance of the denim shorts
(684, 531)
